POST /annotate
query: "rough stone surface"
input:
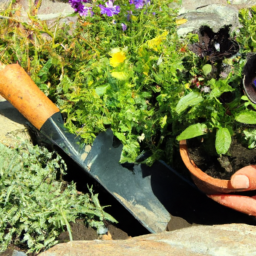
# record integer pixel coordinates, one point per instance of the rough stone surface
(4, 4)
(193, 5)
(214, 16)
(218, 240)
(51, 11)
(213, 13)
(13, 129)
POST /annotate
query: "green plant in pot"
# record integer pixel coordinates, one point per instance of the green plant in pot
(218, 114)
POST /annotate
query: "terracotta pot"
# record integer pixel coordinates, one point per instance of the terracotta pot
(204, 182)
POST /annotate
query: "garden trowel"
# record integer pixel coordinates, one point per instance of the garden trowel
(143, 190)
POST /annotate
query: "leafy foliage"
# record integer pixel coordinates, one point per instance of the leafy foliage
(34, 206)
(142, 81)
(223, 140)
(250, 136)
(222, 108)
(92, 88)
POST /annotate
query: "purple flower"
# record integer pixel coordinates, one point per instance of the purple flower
(80, 8)
(139, 3)
(86, 11)
(124, 27)
(110, 9)
(129, 15)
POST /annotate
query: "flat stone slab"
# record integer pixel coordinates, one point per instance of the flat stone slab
(218, 240)
(12, 130)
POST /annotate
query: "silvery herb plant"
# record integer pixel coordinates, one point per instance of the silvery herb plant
(35, 207)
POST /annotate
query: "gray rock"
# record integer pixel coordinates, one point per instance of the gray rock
(193, 5)
(12, 129)
(53, 12)
(214, 16)
(4, 4)
(213, 13)
(50, 10)
(18, 253)
(218, 240)
(243, 3)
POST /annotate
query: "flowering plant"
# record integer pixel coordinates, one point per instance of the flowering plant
(79, 7)
(124, 67)
(133, 70)
(109, 9)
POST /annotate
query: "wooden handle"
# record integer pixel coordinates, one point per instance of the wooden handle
(19, 89)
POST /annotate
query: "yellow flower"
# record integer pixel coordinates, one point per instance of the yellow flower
(145, 70)
(118, 57)
(187, 86)
(141, 51)
(181, 21)
(153, 43)
(134, 18)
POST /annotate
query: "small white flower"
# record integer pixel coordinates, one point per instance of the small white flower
(217, 46)
(141, 137)
(206, 89)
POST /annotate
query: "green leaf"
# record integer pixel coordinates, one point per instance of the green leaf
(120, 136)
(189, 100)
(223, 141)
(207, 69)
(250, 136)
(109, 217)
(246, 117)
(244, 97)
(163, 121)
(192, 131)
(106, 120)
(44, 72)
(65, 83)
(130, 152)
(219, 87)
(101, 90)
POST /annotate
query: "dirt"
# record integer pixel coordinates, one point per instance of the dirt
(206, 158)
(81, 232)
(216, 46)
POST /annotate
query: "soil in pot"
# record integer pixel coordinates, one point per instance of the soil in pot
(203, 153)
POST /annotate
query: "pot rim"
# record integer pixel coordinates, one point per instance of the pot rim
(223, 186)
(249, 92)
